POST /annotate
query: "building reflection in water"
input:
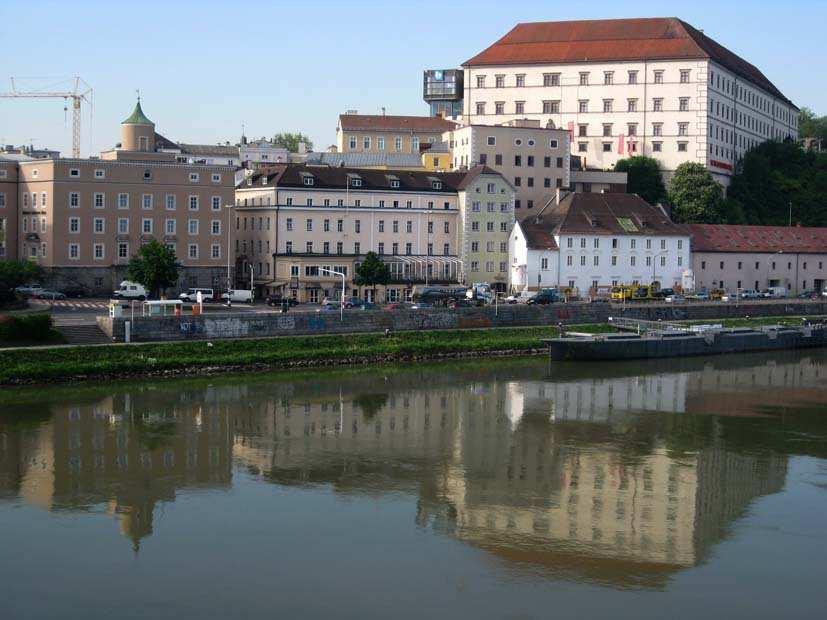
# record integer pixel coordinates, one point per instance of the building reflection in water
(614, 474)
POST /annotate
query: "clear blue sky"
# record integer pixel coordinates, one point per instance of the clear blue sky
(206, 67)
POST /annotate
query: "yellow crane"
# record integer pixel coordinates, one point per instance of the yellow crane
(78, 91)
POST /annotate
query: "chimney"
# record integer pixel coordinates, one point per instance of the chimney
(383, 110)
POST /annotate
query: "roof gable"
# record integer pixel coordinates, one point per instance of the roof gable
(382, 122)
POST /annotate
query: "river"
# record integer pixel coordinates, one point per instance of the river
(485, 489)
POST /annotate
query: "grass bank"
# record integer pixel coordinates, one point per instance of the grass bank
(191, 358)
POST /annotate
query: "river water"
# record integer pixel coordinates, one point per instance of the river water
(488, 489)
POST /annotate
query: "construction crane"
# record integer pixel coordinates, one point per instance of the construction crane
(80, 91)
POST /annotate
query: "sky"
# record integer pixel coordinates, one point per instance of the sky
(206, 68)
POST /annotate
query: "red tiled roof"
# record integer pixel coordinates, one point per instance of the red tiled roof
(762, 239)
(612, 214)
(538, 235)
(657, 38)
(381, 122)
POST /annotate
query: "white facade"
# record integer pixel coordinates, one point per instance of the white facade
(530, 268)
(672, 110)
(262, 152)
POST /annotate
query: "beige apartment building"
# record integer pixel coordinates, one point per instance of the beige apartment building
(295, 224)
(734, 257)
(82, 219)
(534, 159)
(380, 133)
(9, 172)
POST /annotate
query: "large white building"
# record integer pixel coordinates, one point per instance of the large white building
(586, 240)
(655, 87)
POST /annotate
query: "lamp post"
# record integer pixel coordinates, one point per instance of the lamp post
(342, 300)
(229, 228)
(654, 263)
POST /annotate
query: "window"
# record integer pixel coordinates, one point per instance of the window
(632, 105)
(194, 177)
(584, 78)
(551, 79)
(308, 225)
(99, 200)
(74, 225)
(123, 201)
(551, 107)
(192, 250)
(684, 76)
(583, 106)
(682, 147)
(657, 147)
(97, 251)
(193, 203)
(366, 143)
(683, 129)
(100, 174)
(192, 227)
(74, 200)
(607, 148)
(607, 105)
(146, 226)
(215, 227)
(631, 129)
(480, 108)
(98, 225)
(658, 77)
(480, 81)
(123, 250)
(582, 261)
(169, 226)
(582, 130)
(415, 144)
(582, 147)
(519, 107)
(608, 77)
(170, 202)
(683, 104)
(499, 107)
(632, 77)
(657, 129)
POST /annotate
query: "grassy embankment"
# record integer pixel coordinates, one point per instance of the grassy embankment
(27, 328)
(76, 363)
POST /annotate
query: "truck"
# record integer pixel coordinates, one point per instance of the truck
(130, 290)
(238, 296)
(438, 294)
(544, 297)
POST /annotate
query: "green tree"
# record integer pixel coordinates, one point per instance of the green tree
(155, 266)
(290, 141)
(778, 182)
(644, 179)
(371, 272)
(695, 196)
(14, 273)
(811, 125)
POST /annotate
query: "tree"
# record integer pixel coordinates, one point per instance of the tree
(14, 273)
(779, 182)
(812, 126)
(644, 178)
(371, 272)
(290, 141)
(154, 266)
(695, 196)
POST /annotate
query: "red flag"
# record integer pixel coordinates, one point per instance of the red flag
(621, 144)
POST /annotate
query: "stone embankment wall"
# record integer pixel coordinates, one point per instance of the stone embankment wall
(257, 325)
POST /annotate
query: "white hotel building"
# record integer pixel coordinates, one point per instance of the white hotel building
(593, 239)
(655, 87)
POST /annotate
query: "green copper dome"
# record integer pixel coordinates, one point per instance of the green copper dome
(137, 117)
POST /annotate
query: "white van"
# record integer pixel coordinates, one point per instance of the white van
(191, 296)
(130, 290)
(238, 296)
(777, 292)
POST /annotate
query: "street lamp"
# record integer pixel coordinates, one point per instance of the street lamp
(654, 263)
(229, 228)
(342, 300)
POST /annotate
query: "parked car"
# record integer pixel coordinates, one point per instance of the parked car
(749, 294)
(777, 292)
(808, 295)
(352, 302)
(461, 303)
(28, 289)
(75, 292)
(674, 298)
(398, 305)
(544, 297)
(327, 308)
(366, 305)
(421, 305)
(130, 290)
(699, 296)
(238, 295)
(191, 296)
(518, 298)
(47, 294)
(765, 294)
(276, 300)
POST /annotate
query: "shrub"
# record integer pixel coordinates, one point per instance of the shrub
(27, 328)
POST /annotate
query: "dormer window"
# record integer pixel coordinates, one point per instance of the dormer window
(437, 184)
(74, 172)
(147, 175)
(307, 179)
(264, 180)
(356, 182)
(395, 183)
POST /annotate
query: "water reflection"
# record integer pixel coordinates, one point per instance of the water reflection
(621, 474)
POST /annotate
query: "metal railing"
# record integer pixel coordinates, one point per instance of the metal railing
(642, 325)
